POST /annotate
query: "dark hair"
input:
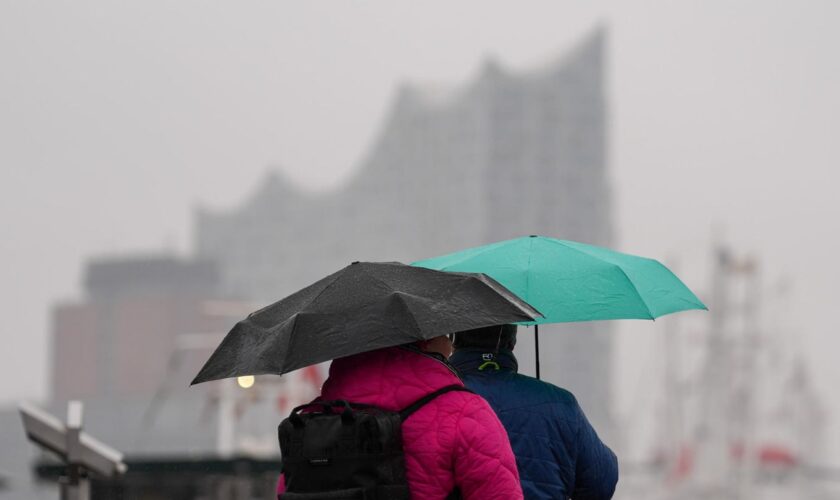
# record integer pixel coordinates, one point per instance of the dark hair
(501, 337)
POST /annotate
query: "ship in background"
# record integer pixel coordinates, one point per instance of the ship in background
(738, 416)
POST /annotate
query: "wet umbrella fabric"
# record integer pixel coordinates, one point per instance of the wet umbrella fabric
(569, 281)
(363, 307)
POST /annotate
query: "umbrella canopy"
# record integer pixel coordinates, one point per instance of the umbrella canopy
(363, 307)
(569, 281)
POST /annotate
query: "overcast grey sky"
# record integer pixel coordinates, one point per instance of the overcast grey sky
(117, 119)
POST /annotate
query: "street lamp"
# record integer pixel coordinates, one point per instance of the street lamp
(245, 381)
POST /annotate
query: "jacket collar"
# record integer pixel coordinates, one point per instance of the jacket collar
(433, 355)
(471, 360)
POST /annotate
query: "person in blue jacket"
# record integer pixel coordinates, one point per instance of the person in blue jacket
(558, 453)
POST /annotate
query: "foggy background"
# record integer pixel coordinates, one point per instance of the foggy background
(118, 120)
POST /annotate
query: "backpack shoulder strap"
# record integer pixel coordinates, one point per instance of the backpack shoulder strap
(413, 407)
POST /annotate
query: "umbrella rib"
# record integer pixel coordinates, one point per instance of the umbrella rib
(617, 266)
(582, 252)
(379, 280)
(520, 302)
(399, 296)
(650, 313)
(472, 256)
(578, 250)
(639, 294)
(318, 295)
(289, 340)
(528, 269)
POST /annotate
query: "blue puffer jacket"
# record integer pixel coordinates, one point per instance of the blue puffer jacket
(558, 453)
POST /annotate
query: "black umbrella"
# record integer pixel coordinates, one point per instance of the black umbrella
(363, 307)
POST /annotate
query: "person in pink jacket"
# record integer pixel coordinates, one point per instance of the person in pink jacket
(454, 441)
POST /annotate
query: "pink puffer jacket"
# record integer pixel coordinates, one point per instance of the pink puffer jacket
(454, 440)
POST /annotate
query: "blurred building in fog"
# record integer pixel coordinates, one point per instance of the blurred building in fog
(116, 342)
(505, 156)
(129, 349)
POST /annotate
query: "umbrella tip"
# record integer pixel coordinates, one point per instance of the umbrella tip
(534, 235)
(354, 262)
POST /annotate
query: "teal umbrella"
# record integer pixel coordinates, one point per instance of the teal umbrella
(569, 281)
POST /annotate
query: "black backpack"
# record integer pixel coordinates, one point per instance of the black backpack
(339, 450)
